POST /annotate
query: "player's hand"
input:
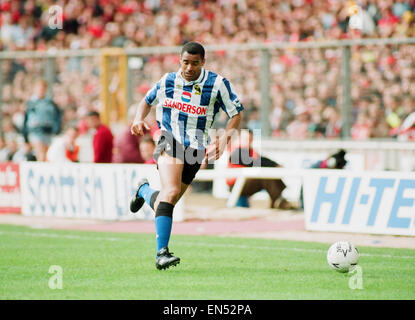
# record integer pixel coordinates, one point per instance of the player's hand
(138, 127)
(216, 149)
(204, 163)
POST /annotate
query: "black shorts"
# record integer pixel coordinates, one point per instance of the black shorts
(192, 158)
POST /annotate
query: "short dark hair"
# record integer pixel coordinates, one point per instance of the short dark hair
(194, 48)
(93, 114)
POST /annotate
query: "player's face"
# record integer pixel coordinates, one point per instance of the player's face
(191, 65)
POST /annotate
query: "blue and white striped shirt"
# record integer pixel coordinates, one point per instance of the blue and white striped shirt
(187, 109)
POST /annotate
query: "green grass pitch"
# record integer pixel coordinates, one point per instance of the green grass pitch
(97, 265)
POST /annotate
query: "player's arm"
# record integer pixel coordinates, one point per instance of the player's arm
(217, 148)
(233, 108)
(139, 125)
(143, 109)
(231, 127)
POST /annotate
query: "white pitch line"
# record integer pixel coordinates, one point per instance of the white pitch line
(55, 235)
(203, 244)
(289, 249)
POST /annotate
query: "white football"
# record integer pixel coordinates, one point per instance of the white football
(343, 256)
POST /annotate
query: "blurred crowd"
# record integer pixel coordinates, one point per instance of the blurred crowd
(306, 90)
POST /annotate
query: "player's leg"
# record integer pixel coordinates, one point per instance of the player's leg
(170, 171)
(192, 159)
(176, 174)
(192, 162)
(144, 193)
(155, 201)
(175, 179)
(170, 165)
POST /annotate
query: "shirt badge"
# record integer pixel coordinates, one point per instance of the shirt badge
(198, 91)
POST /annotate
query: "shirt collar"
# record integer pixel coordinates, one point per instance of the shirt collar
(198, 80)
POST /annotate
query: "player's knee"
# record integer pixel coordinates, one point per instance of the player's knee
(171, 194)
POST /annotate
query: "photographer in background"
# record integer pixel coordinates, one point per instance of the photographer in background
(335, 161)
(245, 156)
(42, 120)
(65, 148)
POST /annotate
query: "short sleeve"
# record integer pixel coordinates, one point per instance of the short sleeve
(152, 95)
(228, 99)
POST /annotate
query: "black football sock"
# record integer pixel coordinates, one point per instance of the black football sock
(153, 199)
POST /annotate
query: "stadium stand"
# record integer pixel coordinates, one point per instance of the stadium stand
(305, 88)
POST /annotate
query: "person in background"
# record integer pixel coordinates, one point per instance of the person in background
(102, 140)
(336, 160)
(254, 120)
(126, 146)
(24, 153)
(406, 130)
(12, 148)
(147, 148)
(42, 120)
(243, 155)
(64, 149)
(4, 151)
